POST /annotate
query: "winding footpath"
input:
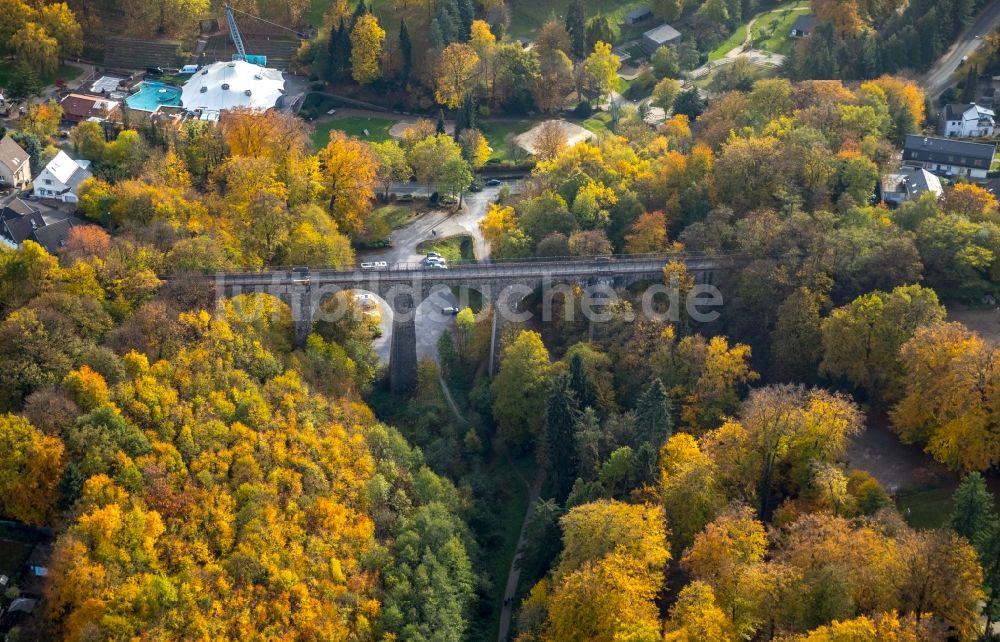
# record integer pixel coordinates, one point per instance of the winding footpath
(514, 575)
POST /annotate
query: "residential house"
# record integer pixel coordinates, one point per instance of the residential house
(80, 107)
(61, 177)
(963, 120)
(659, 37)
(804, 26)
(15, 170)
(636, 16)
(908, 183)
(949, 157)
(22, 221)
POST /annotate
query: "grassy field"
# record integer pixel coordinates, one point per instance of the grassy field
(497, 133)
(927, 508)
(598, 123)
(452, 248)
(760, 71)
(378, 129)
(527, 17)
(779, 42)
(64, 72)
(772, 31)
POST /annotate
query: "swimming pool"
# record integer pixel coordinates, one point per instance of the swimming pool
(152, 94)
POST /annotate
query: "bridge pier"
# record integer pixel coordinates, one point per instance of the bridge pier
(300, 295)
(403, 347)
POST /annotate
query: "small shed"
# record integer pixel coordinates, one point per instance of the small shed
(636, 16)
(659, 37)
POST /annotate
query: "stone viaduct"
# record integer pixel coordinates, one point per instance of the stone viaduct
(404, 286)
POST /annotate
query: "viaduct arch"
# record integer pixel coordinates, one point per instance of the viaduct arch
(405, 286)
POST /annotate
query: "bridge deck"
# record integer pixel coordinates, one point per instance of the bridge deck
(471, 272)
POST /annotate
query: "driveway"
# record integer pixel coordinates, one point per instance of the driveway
(939, 77)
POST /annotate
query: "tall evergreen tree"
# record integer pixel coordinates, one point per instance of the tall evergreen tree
(406, 50)
(337, 51)
(974, 517)
(360, 10)
(440, 129)
(576, 18)
(974, 512)
(579, 381)
(588, 445)
(561, 412)
(466, 14)
(654, 420)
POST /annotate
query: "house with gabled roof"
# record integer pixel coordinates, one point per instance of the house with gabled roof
(61, 177)
(949, 157)
(15, 170)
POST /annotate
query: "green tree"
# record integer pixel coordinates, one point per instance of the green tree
(861, 340)
(601, 70)
(519, 390)
(796, 342)
(561, 412)
(668, 10)
(654, 417)
(973, 514)
(576, 16)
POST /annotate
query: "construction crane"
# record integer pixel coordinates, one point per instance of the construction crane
(234, 32)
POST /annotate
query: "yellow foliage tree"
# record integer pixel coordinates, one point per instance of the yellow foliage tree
(456, 67)
(366, 49)
(349, 170)
(31, 467)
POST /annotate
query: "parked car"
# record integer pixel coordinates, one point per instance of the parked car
(437, 266)
(375, 265)
(493, 182)
(450, 309)
(434, 255)
(434, 260)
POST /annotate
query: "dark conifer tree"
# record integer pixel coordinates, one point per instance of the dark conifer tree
(561, 412)
(576, 17)
(406, 50)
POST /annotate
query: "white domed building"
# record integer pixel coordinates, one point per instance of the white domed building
(231, 85)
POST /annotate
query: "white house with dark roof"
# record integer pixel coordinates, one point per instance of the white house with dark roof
(61, 177)
(966, 120)
(15, 171)
(948, 156)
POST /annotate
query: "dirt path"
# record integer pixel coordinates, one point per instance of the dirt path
(514, 576)
(897, 466)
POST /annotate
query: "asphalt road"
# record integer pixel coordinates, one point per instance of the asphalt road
(939, 77)
(430, 322)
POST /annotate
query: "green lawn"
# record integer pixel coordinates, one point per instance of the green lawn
(65, 72)
(780, 42)
(730, 43)
(927, 508)
(499, 134)
(452, 248)
(598, 123)
(528, 17)
(760, 71)
(381, 222)
(772, 32)
(378, 129)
